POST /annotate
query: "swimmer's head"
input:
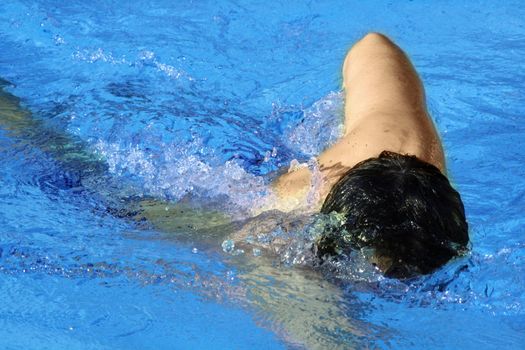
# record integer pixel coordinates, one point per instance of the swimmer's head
(399, 209)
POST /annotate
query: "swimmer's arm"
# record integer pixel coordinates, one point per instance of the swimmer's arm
(297, 301)
(295, 298)
(182, 221)
(69, 151)
(385, 107)
(73, 155)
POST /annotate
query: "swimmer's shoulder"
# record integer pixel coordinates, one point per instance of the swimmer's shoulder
(293, 186)
(304, 188)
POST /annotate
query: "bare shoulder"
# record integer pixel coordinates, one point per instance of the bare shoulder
(294, 185)
(301, 189)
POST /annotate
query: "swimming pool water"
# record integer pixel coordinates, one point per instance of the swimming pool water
(211, 98)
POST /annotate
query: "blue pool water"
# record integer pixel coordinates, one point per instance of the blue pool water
(210, 98)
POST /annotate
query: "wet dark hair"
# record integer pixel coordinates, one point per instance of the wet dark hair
(402, 209)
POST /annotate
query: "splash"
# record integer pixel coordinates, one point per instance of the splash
(320, 126)
(316, 181)
(99, 54)
(291, 241)
(143, 58)
(178, 168)
(178, 171)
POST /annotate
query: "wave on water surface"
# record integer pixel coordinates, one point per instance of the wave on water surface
(173, 170)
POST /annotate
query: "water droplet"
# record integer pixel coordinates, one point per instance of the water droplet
(228, 246)
(58, 40)
(238, 252)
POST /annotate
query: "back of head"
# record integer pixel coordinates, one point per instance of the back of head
(402, 209)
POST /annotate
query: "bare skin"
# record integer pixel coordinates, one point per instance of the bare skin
(385, 110)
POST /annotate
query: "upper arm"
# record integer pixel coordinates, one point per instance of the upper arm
(385, 110)
(385, 106)
(379, 78)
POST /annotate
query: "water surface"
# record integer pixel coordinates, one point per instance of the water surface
(210, 98)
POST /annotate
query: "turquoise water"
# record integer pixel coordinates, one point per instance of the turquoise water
(210, 98)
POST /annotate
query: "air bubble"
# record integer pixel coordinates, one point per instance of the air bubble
(228, 246)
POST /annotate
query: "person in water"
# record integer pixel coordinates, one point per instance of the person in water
(386, 176)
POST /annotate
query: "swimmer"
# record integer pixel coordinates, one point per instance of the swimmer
(385, 179)
(386, 176)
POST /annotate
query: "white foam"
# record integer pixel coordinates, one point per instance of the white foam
(173, 170)
(177, 172)
(321, 126)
